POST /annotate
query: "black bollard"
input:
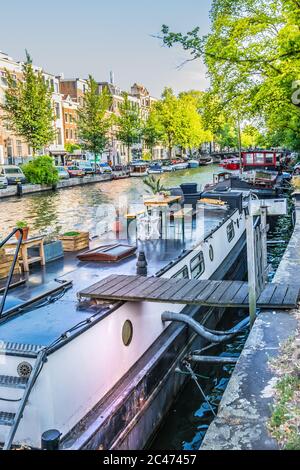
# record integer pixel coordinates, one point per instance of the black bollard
(19, 189)
(50, 439)
(141, 265)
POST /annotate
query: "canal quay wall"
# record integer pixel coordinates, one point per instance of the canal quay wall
(246, 407)
(37, 188)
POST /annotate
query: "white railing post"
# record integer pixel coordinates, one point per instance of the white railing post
(251, 268)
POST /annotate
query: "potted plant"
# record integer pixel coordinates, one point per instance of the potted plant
(75, 241)
(25, 228)
(156, 186)
(53, 248)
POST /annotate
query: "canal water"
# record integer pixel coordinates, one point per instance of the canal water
(78, 208)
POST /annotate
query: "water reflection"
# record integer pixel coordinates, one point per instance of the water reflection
(76, 208)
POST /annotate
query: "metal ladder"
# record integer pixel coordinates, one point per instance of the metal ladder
(11, 272)
(11, 419)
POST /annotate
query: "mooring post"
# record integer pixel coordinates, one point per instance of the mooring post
(141, 265)
(251, 268)
(264, 231)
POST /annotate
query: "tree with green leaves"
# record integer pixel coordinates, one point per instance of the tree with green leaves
(152, 134)
(253, 57)
(129, 124)
(192, 132)
(94, 121)
(166, 116)
(28, 108)
(178, 122)
(71, 147)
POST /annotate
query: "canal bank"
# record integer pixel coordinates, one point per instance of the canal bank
(246, 408)
(12, 191)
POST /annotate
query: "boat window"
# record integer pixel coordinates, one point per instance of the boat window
(211, 253)
(238, 223)
(230, 232)
(182, 274)
(249, 158)
(198, 265)
(269, 158)
(259, 158)
(127, 333)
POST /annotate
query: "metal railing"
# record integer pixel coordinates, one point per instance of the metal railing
(11, 272)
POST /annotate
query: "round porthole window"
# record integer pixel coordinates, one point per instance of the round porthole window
(127, 333)
(24, 369)
(211, 253)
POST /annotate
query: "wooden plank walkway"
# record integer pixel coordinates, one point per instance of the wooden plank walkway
(186, 291)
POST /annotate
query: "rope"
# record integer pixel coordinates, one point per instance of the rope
(194, 377)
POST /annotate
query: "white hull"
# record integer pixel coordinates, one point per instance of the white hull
(139, 175)
(167, 169)
(181, 166)
(81, 371)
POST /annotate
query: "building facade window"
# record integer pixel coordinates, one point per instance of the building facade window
(57, 110)
(19, 148)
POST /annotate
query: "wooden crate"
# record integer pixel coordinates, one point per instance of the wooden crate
(5, 265)
(76, 242)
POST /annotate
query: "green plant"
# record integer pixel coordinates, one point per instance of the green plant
(129, 124)
(154, 184)
(70, 148)
(147, 156)
(28, 108)
(71, 234)
(94, 121)
(41, 170)
(22, 224)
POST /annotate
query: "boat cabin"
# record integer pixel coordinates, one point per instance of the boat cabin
(261, 159)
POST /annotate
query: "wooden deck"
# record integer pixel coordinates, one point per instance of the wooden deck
(186, 291)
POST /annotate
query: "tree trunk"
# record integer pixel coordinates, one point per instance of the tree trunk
(170, 151)
(128, 156)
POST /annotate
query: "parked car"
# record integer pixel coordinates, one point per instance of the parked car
(75, 172)
(62, 173)
(103, 168)
(85, 166)
(13, 174)
(3, 182)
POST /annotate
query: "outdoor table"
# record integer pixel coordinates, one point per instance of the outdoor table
(25, 245)
(161, 205)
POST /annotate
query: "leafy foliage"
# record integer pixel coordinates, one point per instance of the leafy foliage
(129, 123)
(177, 121)
(28, 108)
(253, 58)
(70, 148)
(154, 184)
(94, 121)
(41, 170)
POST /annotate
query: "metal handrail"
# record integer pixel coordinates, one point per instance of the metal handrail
(41, 358)
(11, 272)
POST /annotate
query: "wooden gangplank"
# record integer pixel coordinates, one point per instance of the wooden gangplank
(190, 292)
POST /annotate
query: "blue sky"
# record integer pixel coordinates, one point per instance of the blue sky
(79, 37)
